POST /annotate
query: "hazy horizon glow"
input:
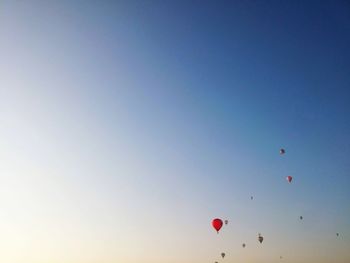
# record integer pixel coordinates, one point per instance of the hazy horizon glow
(127, 127)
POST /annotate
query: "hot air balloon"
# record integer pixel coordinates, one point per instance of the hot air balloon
(226, 222)
(282, 151)
(301, 218)
(251, 198)
(337, 234)
(289, 178)
(217, 224)
(243, 245)
(260, 238)
(223, 254)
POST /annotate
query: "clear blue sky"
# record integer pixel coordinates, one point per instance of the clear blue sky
(127, 126)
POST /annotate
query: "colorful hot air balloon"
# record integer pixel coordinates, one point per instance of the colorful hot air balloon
(217, 224)
(226, 222)
(289, 178)
(223, 254)
(282, 151)
(260, 238)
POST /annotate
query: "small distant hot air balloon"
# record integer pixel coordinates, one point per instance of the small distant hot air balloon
(301, 218)
(282, 151)
(280, 257)
(289, 178)
(260, 238)
(337, 234)
(243, 245)
(217, 224)
(251, 198)
(226, 222)
(223, 254)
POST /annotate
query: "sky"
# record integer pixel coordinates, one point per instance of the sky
(127, 126)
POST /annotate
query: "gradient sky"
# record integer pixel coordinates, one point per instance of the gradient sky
(127, 126)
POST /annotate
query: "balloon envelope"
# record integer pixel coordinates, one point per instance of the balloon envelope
(289, 178)
(223, 255)
(282, 151)
(217, 224)
(260, 238)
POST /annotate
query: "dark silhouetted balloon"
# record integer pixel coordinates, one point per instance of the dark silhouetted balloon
(243, 245)
(217, 224)
(226, 222)
(260, 238)
(282, 151)
(223, 254)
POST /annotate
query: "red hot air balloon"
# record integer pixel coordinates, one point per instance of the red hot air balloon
(217, 224)
(289, 178)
